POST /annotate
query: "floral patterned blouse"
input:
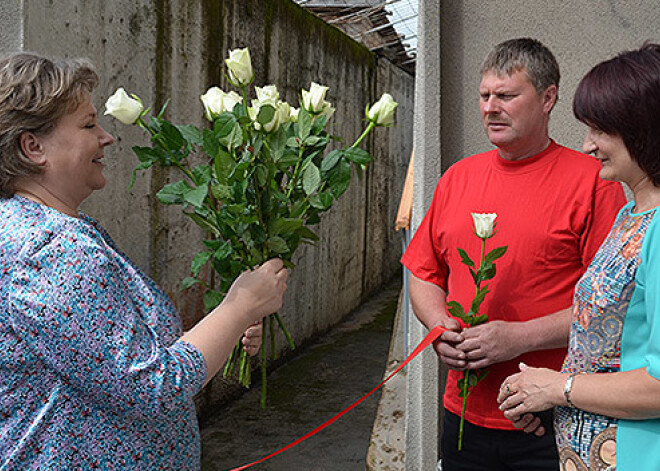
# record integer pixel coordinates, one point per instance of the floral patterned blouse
(614, 314)
(92, 374)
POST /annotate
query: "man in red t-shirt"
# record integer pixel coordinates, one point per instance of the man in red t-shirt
(553, 212)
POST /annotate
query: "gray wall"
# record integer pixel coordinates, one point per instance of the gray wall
(175, 48)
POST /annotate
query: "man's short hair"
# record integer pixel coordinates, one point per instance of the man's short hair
(621, 97)
(524, 54)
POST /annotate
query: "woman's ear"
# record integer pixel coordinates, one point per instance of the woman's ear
(32, 148)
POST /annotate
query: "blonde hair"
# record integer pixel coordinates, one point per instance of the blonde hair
(35, 92)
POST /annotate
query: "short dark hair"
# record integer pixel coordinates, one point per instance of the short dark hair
(621, 97)
(525, 54)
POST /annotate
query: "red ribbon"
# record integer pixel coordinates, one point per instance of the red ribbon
(428, 340)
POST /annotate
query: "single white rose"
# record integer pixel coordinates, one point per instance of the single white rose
(293, 114)
(382, 113)
(483, 224)
(314, 99)
(124, 108)
(230, 100)
(267, 95)
(239, 66)
(283, 112)
(216, 101)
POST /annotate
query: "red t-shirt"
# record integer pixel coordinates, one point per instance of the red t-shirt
(553, 212)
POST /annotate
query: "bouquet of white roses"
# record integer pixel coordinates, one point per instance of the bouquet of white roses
(263, 181)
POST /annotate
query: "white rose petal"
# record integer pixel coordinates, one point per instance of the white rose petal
(124, 108)
(239, 66)
(483, 224)
(382, 112)
(314, 99)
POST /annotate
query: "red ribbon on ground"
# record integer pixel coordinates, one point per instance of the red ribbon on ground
(428, 340)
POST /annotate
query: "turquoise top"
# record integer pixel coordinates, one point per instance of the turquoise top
(615, 311)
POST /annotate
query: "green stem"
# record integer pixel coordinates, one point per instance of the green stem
(262, 361)
(286, 332)
(465, 396)
(273, 345)
(294, 176)
(364, 134)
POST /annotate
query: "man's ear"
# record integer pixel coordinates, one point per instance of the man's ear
(32, 148)
(549, 98)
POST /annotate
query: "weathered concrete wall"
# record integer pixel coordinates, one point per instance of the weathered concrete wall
(162, 49)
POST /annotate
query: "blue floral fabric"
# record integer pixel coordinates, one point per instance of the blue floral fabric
(92, 374)
(605, 302)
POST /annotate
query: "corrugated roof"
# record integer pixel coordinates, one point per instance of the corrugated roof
(389, 28)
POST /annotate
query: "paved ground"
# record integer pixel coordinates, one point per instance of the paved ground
(325, 378)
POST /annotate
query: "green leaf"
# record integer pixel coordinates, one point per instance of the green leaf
(285, 226)
(278, 142)
(495, 254)
(189, 282)
(224, 124)
(204, 223)
(171, 136)
(234, 139)
(308, 234)
(277, 245)
(190, 133)
(475, 277)
(210, 142)
(331, 160)
(288, 159)
(479, 298)
(224, 165)
(304, 123)
(311, 141)
(358, 156)
(465, 258)
(311, 179)
(202, 174)
(487, 271)
(198, 262)
(298, 208)
(266, 114)
(221, 192)
(321, 201)
(319, 124)
(456, 310)
(212, 299)
(261, 175)
(172, 193)
(339, 178)
(196, 196)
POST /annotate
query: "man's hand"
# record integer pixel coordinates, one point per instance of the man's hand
(445, 345)
(490, 343)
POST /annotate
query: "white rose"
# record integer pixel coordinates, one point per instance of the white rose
(230, 100)
(269, 95)
(216, 101)
(327, 110)
(293, 114)
(124, 108)
(382, 112)
(239, 66)
(314, 99)
(483, 224)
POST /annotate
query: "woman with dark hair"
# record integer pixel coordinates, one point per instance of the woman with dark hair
(95, 369)
(607, 396)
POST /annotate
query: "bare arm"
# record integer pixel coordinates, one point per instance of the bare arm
(498, 341)
(429, 304)
(625, 395)
(253, 295)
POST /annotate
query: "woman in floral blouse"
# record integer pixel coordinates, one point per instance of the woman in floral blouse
(95, 370)
(607, 396)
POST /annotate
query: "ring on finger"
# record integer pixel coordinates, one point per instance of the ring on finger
(507, 388)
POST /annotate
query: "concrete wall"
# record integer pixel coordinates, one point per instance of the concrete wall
(175, 48)
(580, 33)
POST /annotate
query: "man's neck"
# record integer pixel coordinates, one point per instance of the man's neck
(526, 152)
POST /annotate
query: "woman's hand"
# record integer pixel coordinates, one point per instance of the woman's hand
(259, 292)
(252, 338)
(531, 390)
